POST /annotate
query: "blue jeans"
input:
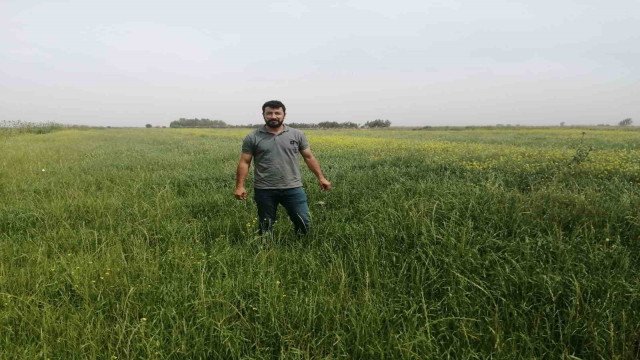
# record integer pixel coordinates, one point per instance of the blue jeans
(294, 201)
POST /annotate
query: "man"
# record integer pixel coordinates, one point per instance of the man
(277, 180)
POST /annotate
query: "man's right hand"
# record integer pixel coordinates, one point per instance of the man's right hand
(240, 193)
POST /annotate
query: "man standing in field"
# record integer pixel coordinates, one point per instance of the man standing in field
(277, 180)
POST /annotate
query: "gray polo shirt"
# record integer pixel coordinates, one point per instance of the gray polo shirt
(275, 157)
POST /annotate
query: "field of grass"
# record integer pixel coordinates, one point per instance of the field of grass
(503, 244)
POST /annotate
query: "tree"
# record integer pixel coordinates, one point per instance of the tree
(349, 125)
(197, 123)
(328, 124)
(625, 122)
(300, 125)
(562, 123)
(148, 126)
(377, 123)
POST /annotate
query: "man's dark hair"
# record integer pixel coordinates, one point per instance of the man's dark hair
(274, 104)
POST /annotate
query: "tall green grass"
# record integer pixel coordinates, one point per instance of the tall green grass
(129, 244)
(10, 128)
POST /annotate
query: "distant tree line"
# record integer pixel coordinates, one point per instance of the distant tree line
(207, 123)
(626, 122)
(15, 127)
(320, 125)
(325, 125)
(335, 125)
(377, 123)
(197, 123)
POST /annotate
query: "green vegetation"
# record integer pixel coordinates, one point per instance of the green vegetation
(197, 123)
(500, 243)
(337, 125)
(377, 123)
(625, 122)
(10, 128)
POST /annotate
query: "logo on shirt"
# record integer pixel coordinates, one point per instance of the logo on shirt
(294, 145)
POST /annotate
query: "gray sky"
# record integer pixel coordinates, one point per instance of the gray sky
(439, 62)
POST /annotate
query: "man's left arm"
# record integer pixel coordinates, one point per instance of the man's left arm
(314, 166)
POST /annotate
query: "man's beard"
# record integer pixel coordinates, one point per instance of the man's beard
(275, 125)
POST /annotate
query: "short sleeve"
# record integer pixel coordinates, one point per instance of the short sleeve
(247, 145)
(303, 143)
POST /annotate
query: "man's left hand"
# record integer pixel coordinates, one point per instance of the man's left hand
(324, 184)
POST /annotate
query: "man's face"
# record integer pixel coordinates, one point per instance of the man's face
(273, 117)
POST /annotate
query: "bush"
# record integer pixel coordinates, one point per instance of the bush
(23, 127)
(197, 123)
(625, 122)
(377, 123)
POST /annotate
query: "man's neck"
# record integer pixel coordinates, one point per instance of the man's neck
(274, 131)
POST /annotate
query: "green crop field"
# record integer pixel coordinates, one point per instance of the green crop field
(501, 243)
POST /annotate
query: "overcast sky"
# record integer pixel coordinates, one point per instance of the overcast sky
(416, 63)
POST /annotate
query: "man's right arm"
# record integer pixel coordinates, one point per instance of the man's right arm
(241, 175)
